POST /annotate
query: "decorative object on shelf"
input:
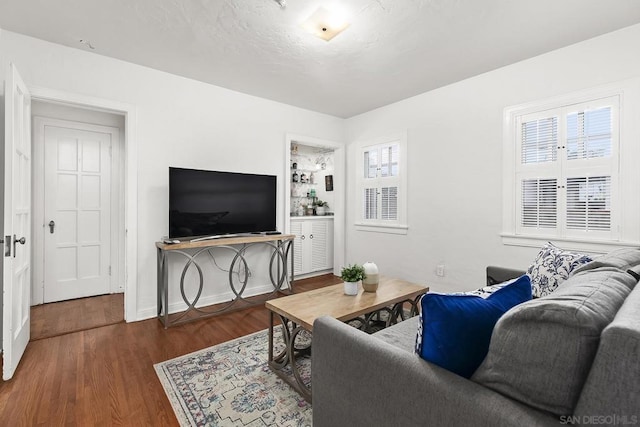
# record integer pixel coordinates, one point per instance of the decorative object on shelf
(303, 177)
(310, 210)
(295, 176)
(370, 282)
(328, 182)
(321, 207)
(294, 149)
(300, 210)
(312, 192)
(294, 166)
(312, 178)
(352, 276)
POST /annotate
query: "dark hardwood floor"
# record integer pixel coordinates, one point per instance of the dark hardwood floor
(53, 319)
(104, 376)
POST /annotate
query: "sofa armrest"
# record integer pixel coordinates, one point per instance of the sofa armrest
(501, 274)
(359, 380)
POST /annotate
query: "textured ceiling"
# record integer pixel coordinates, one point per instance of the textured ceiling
(392, 50)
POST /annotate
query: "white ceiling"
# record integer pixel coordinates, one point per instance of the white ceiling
(393, 49)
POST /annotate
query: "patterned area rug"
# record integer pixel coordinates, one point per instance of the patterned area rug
(231, 384)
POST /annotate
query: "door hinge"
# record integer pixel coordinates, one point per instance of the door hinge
(109, 270)
(7, 245)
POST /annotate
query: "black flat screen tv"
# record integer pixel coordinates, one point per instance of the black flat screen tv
(211, 203)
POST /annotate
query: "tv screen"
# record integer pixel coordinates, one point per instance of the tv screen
(211, 203)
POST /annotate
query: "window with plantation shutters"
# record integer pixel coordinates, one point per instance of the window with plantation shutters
(380, 182)
(566, 171)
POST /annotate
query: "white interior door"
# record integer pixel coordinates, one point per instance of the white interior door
(17, 222)
(77, 212)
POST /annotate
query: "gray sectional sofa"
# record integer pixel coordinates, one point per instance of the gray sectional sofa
(572, 357)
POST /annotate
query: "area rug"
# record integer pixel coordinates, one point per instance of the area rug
(231, 384)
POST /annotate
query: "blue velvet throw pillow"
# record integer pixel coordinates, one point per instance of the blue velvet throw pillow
(455, 329)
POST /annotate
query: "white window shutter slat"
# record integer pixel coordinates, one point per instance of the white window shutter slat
(539, 203)
(539, 140)
(370, 163)
(589, 134)
(389, 203)
(589, 203)
(389, 160)
(370, 205)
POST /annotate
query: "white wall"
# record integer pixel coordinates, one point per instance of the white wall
(455, 161)
(455, 169)
(180, 122)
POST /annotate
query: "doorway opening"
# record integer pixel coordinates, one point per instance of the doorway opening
(78, 219)
(314, 203)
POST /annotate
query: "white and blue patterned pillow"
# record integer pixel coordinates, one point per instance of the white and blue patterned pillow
(551, 267)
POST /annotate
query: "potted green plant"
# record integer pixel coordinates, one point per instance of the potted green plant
(321, 207)
(352, 275)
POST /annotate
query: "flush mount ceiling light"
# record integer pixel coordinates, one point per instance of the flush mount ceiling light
(325, 23)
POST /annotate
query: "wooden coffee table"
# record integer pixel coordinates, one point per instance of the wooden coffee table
(297, 313)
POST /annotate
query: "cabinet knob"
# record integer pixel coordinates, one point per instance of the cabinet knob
(301, 237)
(311, 236)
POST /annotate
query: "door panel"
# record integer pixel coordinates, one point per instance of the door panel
(77, 176)
(17, 222)
(296, 228)
(319, 245)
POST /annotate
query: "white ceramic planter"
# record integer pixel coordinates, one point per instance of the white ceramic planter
(321, 210)
(351, 288)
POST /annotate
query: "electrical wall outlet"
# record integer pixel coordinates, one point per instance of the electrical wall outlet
(440, 270)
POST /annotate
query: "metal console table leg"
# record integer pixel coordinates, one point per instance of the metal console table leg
(281, 249)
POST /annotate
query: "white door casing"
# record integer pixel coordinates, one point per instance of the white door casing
(77, 211)
(127, 162)
(17, 222)
(337, 243)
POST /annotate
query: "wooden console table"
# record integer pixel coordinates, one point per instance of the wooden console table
(281, 256)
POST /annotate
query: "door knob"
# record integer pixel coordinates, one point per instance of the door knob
(21, 240)
(52, 225)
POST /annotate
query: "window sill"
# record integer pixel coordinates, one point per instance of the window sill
(382, 228)
(594, 246)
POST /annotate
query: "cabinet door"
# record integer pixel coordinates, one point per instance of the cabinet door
(298, 253)
(321, 237)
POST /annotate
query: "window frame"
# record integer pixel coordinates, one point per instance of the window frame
(625, 227)
(399, 225)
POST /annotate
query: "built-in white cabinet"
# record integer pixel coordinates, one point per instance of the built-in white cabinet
(313, 245)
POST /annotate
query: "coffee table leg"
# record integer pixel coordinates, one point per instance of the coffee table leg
(288, 356)
(270, 337)
(398, 310)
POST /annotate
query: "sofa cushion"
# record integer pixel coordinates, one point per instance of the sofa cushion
(623, 259)
(541, 351)
(551, 267)
(401, 335)
(613, 384)
(455, 329)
